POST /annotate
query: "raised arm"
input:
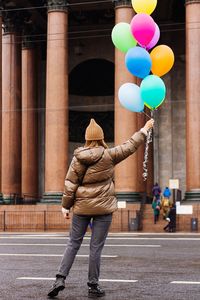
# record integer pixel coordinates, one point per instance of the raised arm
(121, 152)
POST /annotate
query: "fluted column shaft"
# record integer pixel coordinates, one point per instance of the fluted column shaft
(11, 114)
(192, 100)
(126, 173)
(0, 100)
(56, 144)
(29, 123)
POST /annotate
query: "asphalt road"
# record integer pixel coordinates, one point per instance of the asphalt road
(133, 267)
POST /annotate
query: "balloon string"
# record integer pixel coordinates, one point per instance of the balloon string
(146, 115)
(145, 163)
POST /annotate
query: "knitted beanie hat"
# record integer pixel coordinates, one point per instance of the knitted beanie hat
(94, 132)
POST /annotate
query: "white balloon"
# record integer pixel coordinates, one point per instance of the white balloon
(130, 97)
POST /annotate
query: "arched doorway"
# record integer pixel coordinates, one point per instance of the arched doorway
(91, 90)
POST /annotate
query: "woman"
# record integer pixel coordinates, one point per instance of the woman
(89, 189)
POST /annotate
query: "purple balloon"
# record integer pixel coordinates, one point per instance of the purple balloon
(155, 38)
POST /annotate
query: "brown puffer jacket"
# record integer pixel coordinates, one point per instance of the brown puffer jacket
(89, 186)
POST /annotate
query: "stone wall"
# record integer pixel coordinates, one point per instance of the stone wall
(49, 218)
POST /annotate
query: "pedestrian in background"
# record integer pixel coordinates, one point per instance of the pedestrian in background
(156, 191)
(89, 189)
(156, 210)
(171, 226)
(167, 193)
(166, 203)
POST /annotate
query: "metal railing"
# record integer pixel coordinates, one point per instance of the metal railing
(32, 220)
(53, 220)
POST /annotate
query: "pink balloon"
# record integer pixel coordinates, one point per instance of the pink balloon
(143, 28)
(155, 38)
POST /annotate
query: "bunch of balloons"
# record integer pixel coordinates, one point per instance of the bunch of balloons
(136, 40)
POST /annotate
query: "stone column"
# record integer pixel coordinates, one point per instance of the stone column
(29, 120)
(1, 8)
(11, 110)
(56, 144)
(126, 173)
(192, 100)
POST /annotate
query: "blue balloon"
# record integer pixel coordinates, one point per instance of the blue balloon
(153, 91)
(130, 98)
(138, 62)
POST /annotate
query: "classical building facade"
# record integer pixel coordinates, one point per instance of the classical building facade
(59, 68)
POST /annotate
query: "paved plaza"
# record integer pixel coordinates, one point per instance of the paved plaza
(134, 266)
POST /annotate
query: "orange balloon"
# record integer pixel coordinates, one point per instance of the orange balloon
(162, 60)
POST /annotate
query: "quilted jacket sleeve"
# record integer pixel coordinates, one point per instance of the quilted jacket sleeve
(73, 179)
(121, 152)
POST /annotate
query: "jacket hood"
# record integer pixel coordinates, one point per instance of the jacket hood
(89, 156)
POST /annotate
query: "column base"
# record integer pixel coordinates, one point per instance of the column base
(8, 199)
(52, 198)
(13, 199)
(129, 197)
(193, 195)
(1, 199)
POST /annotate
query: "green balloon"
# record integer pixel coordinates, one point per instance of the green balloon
(122, 37)
(153, 91)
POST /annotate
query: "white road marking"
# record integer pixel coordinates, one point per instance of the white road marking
(185, 282)
(108, 238)
(51, 255)
(110, 234)
(102, 280)
(35, 235)
(36, 278)
(83, 245)
(117, 280)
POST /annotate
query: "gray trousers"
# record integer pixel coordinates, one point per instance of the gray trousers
(100, 227)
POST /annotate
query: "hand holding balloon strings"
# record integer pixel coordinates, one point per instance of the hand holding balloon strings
(143, 112)
(146, 152)
(149, 128)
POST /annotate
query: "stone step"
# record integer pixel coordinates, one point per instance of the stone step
(159, 223)
(148, 221)
(151, 221)
(145, 218)
(153, 228)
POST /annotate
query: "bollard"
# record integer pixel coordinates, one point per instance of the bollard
(194, 224)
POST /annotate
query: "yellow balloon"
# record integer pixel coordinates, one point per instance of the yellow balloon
(153, 108)
(162, 60)
(144, 6)
(147, 105)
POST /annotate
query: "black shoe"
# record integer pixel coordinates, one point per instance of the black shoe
(95, 291)
(58, 286)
